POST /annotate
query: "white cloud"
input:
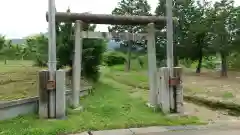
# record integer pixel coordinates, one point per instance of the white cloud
(20, 18)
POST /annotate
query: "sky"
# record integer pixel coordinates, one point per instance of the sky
(21, 18)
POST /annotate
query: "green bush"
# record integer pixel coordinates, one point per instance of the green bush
(186, 62)
(113, 58)
(209, 62)
(234, 61)
(92, 52)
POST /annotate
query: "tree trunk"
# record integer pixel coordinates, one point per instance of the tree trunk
(200, 42)
(199, 66)
(175, 56)
(175, 42)
(224, 64)
(129, 56)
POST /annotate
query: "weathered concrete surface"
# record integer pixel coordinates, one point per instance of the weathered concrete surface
(187, 132)
(201, 132)
(232, 128)
(11, 109)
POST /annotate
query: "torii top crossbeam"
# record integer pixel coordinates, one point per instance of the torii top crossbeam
(110, 19)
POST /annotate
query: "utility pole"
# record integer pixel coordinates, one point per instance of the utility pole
(169, 8)
(51, 52)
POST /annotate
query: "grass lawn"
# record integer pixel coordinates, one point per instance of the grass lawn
(18, 79)
(136, 78)
(12, 65)
(109, 107)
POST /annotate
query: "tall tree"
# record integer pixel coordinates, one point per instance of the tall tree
(191, 31)
(92, 49)
(2, 42)
(224, 26)
(130, 7)
(184, 11)
(199, 31)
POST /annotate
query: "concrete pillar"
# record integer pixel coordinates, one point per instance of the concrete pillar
(77, 64)
(52, 103)
(170, 58)
(159, 92)
(60, 93)
(164, 89)
(179, 91)
(52, 54)
(152, 65)
(43, 93)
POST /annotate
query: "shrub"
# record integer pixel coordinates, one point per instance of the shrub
(113, 58)
(209, 62)
(186, 62)
(93, 50)
(234, 61)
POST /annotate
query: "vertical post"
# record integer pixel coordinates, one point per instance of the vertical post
(43, 77)
(164, 72)
(170, 46)
(152, 65)
(129, 49)
(179, 90)
(52, 52)
(159, 90)
(60, 93)
(77, 64)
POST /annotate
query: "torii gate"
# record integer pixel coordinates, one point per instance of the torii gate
(150, 21)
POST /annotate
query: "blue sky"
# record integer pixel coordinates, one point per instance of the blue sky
(20, 18)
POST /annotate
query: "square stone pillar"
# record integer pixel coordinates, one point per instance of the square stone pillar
(179, 91)
(164, 90)
(43, 77)
(60, 93)
(152, 65)
(77, 64)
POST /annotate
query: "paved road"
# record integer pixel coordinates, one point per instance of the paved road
(200, 132)
(215, 129)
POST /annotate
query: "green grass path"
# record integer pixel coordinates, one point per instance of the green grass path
(109, 107)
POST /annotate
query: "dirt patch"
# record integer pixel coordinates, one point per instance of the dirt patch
(208, 115)
(209, 85)
(212, 86)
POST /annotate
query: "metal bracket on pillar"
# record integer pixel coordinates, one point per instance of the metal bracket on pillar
(174, 81)
(51, 85)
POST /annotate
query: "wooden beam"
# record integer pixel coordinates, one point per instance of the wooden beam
(114, 35)
(110, 19)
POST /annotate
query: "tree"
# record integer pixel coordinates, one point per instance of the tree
(224, 26)
(191, 40)
(185, 12)
(199, 32)
(2, 42)
(130, 7)
(92, 50)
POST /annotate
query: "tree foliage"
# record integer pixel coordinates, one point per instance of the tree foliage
(203, 29)
(130, 7)
(91, 54)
